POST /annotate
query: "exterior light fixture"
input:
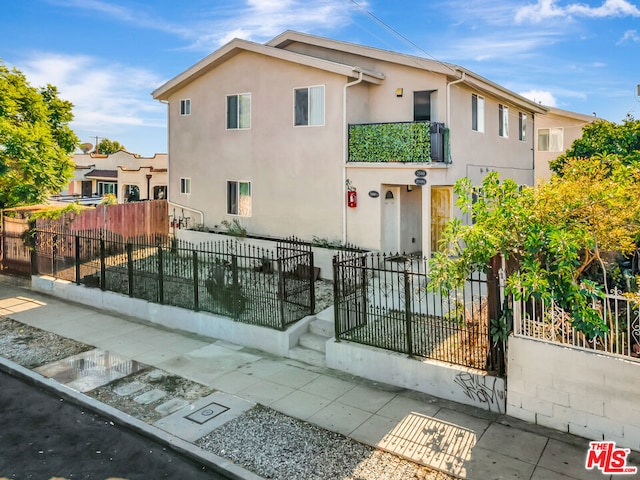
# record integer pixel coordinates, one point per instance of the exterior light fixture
(399, 92)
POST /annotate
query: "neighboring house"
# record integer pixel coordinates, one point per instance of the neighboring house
(128, 176)
(279, 136)
(555, 132)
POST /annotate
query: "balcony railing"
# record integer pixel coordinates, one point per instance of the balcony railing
(404, 142)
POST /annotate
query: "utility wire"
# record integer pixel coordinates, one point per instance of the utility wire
(401, 36)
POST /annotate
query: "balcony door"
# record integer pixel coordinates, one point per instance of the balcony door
(422, 106)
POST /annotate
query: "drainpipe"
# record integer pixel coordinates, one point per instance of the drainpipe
(461, 79)
(345, 150)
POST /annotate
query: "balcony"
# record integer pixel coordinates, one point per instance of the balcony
(404, 142)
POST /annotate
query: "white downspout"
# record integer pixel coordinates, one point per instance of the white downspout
(461, 79)
(345, 151)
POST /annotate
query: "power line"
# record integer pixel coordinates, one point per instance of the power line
(400, 35)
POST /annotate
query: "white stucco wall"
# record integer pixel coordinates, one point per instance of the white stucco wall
(322, 257)
(451, 382)
(574, 390)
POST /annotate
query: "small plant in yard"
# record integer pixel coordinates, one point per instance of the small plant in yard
(234, 228)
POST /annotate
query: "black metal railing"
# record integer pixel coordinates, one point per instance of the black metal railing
(382, 300)
(249, 284)
(405, 142)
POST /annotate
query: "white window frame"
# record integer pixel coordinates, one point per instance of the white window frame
(239, 114)
(105, 188)
(477, 117)
(551, 133)
(185, 185)
(522, 127)
(185, 107)
(239, 212)
(503, 120)
(311, 110)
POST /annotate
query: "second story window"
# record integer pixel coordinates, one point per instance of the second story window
(309, 106)
(185, 185)
(477, 113)
(522, 127)
(239, 111)
(185, 106)
(550, 139)
(503, 121)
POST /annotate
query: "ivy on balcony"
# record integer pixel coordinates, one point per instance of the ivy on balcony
(390, 142)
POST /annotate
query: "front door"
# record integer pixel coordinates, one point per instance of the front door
(440, 213)
(86, 188)
(391, 220)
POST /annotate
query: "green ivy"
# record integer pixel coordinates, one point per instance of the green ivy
(390, 142)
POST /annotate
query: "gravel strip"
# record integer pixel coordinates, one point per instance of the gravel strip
(32, 347)
(279, 447)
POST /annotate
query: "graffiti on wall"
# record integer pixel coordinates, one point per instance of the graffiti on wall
(483, 389)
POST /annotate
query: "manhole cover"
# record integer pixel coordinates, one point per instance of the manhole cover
(207, 412)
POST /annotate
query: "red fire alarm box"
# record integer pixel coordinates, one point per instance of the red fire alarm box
(352, 199)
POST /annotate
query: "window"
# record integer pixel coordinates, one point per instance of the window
(309, 106)
(185, 185)
(477, 113)
(503, 121)
(185, 106)
(522, 126)
(422, 106)
(550, 139)
(239, 111)
(239, 198)
(106, 187)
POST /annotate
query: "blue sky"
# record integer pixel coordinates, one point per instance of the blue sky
(107, 56)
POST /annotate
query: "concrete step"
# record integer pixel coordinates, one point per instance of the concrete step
(305, 355)
(327, 314)
(322, 328)
(313, 342)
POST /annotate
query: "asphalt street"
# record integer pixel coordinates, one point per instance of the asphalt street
(43, 436)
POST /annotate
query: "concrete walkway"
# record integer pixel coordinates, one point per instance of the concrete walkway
(454, 438)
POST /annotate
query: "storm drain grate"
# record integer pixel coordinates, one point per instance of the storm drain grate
(207, 412)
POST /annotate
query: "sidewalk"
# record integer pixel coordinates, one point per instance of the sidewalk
(450, 437)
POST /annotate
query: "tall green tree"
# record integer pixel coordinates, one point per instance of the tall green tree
(36, 141)
(107, 147)
(603, 138)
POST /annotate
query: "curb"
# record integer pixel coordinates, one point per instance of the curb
(210, 460)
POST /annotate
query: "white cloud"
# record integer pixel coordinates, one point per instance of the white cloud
(257, 20)
(629, 36)
(541, 96)
(548, 9)
(105, 98)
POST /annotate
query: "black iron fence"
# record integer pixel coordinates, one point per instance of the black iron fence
(383, 301)
(249, 284)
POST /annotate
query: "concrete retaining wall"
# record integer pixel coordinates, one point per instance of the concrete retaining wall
(460, 384)
(202, 323)
(574, 390)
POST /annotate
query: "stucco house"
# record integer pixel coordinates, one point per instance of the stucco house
(128, 176)
(279, 136)
(555, 132)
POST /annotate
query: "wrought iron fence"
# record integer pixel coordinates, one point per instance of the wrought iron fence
(383, 301)
(249, 284)
(547, 321)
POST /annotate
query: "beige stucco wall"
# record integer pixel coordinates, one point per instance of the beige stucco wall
(296, 172)
(571, 124)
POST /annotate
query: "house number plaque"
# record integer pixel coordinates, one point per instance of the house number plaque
(373, 194)
(421, 173)
(420, 181)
